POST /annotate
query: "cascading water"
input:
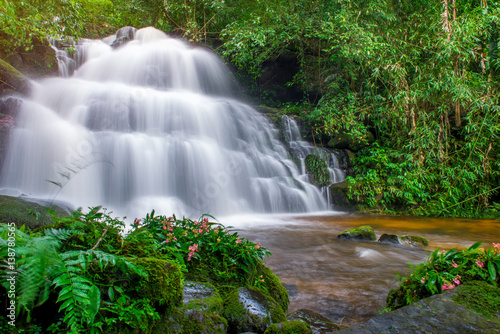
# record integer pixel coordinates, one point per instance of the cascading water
(151, 125)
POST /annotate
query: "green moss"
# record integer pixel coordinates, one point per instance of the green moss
(241, 319)
(21, 212)
(274, 287)
(364, 232)
(413, 240)
(186, 321)
(289, 327)
(317, 169)
(479, 296)
(164, 283)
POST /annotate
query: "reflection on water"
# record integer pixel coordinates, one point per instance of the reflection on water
(348, 280)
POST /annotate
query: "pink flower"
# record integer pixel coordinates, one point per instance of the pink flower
(479, 263)
(164, 227)
(167, 241)
(258, 245)
(422, 280)
(456, 281)
(238, 241)
(447, 287)
(454, 264)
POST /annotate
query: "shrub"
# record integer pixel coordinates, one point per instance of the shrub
(445, 270)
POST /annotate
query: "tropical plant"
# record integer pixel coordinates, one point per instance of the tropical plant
(444, 270)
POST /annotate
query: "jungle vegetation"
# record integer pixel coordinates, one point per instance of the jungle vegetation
(415, 83)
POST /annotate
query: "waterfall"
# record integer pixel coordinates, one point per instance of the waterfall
(300, 149)
(152, 124)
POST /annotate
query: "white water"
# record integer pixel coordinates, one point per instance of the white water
(151, 125)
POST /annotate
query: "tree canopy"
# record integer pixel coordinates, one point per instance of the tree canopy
(421, 77)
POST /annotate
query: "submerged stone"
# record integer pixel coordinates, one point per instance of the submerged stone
(364, 233)
(405, 240)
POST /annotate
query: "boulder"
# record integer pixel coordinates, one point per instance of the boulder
(200, 311)
(35, 61)
(317, 169)
(11, 80)
(289, 327)
(363, 233)
(251, 309)
(404, 240)
(22, 212)
(318, 323)
(443, 313)
(273, 286)
(123, 36)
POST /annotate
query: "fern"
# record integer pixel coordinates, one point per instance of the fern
(40, 265)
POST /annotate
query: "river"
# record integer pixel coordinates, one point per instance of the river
(349, 281)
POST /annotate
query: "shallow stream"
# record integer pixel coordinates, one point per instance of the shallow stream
(348, 280)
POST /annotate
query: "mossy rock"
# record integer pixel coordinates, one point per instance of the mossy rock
(251, 309)
(163, 285)
(201, 296)
(200, 312)
(189, 321)
(273, 285)
(317, 169)
(481, 297)
(405, 240)
(12, 79)
(289, 327)
(317, 322)
(364, 233)
(20, 212)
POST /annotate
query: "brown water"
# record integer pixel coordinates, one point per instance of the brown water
(348, 280)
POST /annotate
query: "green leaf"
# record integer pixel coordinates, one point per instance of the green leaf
(111, 293)
(475, 246)
(492, 271)
(95, 303)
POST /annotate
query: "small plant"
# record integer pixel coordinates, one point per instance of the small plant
(184, 240)
(446, 270)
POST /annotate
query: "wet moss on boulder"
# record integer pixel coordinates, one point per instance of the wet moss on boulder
(480, 297)
(21, 212)
(251, 309)
(273, 285)
(200, 312)
(405, 240)
(164, 283)
(317, 169)
(363, 233)
(289, 327)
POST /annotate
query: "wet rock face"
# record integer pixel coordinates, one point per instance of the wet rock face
(404, 240)
(37, 62)
(436, 314)
(12, 81)
(318, 323)
(362, 233)
(123, 36)
(195, 290)
(251, 310)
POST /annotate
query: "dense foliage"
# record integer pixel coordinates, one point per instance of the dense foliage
(415, 83)
(82, 273)
(444, 270)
